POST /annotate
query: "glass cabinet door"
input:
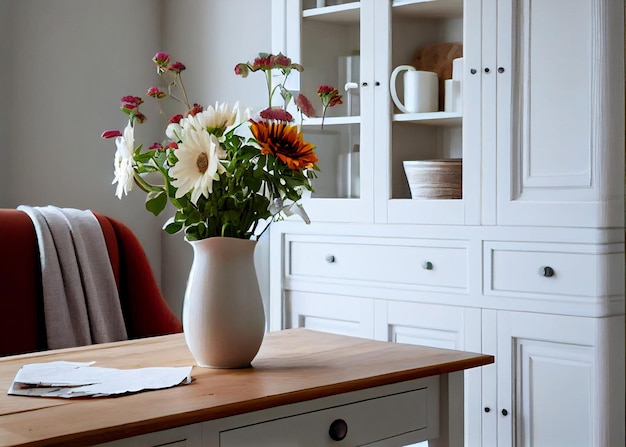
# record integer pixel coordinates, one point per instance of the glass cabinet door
(330, 49)
(375, 149)
(429, 168)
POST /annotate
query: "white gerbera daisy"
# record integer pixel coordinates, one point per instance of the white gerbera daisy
(215, 119)
(198, 164)
(123, 162)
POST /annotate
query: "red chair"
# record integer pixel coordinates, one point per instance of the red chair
(22, 324)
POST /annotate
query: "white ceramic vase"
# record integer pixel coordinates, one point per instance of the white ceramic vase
(223, 316)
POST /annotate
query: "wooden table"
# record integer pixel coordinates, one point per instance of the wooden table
(300, 383)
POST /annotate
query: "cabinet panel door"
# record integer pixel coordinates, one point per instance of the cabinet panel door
(337, 314)
(555, 101)
(548, 400)
(439, 326)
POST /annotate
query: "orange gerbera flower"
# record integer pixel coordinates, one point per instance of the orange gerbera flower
(285, 142)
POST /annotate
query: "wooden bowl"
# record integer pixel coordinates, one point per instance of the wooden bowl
(435, 179)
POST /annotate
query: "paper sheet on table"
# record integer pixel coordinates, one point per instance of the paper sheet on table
(80, 379)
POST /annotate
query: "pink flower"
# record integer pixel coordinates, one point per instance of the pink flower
(156, 92)
(131, 100)
(281, 61)
(108, 134)
(304, 105)
(263, 62)
(277, 114)
(177, 67)
(156, 146)
(242, 70)
(161, 59)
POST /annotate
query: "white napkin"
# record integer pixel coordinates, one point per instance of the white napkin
(80, 379)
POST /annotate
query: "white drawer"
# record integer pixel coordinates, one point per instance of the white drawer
(413, 262)
(366, 422)
(550, 271)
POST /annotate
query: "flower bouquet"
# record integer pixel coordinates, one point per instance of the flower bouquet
(220, 181)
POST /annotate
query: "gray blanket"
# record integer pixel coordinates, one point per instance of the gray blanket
(81, 301)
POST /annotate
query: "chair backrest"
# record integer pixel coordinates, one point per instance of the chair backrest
(22, 322)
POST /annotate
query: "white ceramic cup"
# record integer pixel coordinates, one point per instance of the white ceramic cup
(421, 90)
(453, 98)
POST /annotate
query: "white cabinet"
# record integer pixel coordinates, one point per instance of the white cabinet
(529, 264)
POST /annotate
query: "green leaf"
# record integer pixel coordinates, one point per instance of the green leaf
(173, 227)
(156, 202)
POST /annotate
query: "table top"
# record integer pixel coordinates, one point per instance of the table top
(292, 366)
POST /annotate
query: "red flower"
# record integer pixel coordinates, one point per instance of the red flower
(161, 59)
(177, 67)
(156, 146)
(176, 119)
(277, 114)
(263, 62)
(171, 145)
(304, 105)
(140, 117)
(242, 70)
(281, 61)
(197, 108)
(108, 134)
(131, 100)
(329, 95)
(156, 92)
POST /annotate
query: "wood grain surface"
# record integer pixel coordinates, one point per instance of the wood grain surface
(292, 366)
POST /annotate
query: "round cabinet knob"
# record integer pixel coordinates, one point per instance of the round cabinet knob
(427, 265)
(505, 412)
(473, 71)
(487, 70)
(338, 430)
(330, 258)
(546, 271)
(487, 409)
(500, 69)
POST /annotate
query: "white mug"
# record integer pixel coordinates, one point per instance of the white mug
(421, 90)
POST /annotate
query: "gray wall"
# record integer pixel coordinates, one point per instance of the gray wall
(68, 62)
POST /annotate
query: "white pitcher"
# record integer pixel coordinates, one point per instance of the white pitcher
(421, 90)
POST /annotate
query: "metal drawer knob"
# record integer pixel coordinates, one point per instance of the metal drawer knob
(338, 430)
(427, 265)
(330, 258)
(546, 271)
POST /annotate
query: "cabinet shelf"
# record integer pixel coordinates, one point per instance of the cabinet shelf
(332, 120)
(431, 118)
(349, 12)
(429, 8)
(346, 13)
